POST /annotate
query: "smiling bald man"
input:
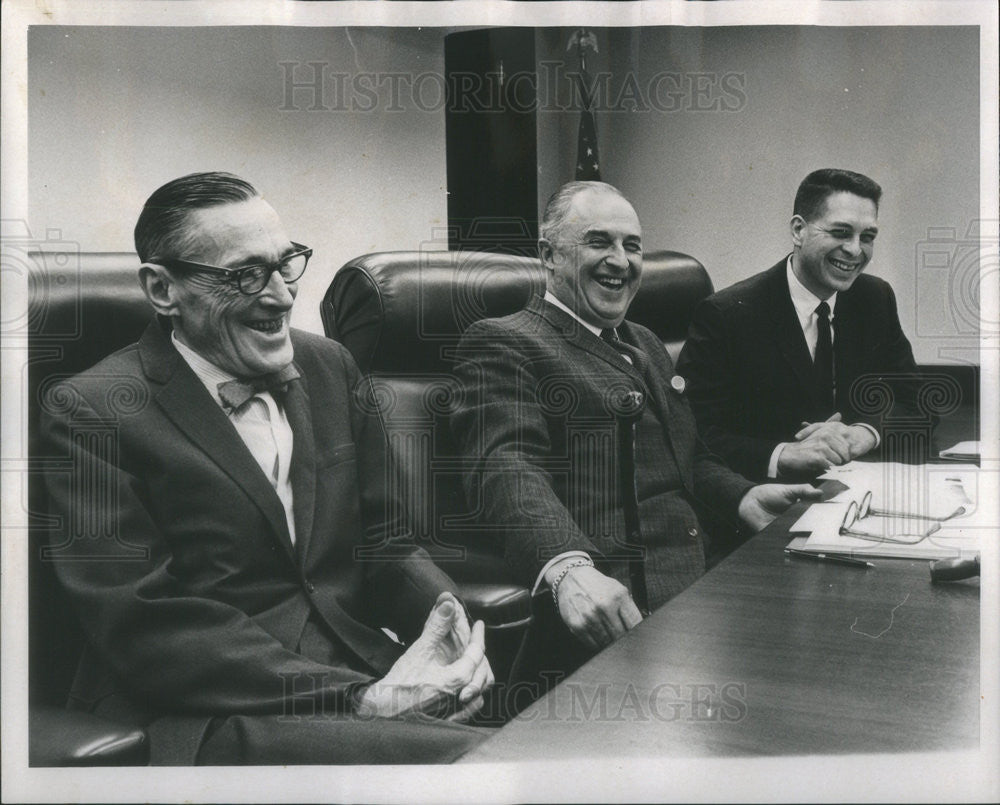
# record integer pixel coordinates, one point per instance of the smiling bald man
(582, 450)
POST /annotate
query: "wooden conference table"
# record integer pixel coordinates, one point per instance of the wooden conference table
(768, 655)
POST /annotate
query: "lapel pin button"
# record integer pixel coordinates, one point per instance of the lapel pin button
(678, 384)
(632, 400)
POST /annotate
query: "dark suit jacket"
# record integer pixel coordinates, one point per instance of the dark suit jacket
(177, 555)
(749, 372)
(536, 419)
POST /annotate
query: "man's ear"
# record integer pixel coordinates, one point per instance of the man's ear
(546, 252)
(159, 287)
(797, 224)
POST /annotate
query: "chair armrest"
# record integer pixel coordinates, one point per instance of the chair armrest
(498, 605)
(73, 738)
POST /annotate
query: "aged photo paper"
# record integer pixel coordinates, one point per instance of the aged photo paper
(706, 114)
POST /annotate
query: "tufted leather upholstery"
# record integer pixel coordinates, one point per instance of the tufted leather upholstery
(399, 311)
(81, 307)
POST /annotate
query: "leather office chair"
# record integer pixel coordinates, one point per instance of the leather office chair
(402, 314)
(80, 309)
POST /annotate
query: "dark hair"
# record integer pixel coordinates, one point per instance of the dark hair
(825, 182)
(559, 202)
(161, 230)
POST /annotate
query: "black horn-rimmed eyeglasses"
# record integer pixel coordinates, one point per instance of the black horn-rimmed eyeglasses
(253, 279)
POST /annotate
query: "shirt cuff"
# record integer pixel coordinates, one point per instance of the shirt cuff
(772, 465)
(567, 555)
(871, 430)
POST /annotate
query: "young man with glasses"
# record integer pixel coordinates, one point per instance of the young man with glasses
(227, 609)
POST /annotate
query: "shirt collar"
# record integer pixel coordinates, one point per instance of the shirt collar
(803, 299)
(207, 372)
(551, 299)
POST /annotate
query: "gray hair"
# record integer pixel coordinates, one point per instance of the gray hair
(557, 207)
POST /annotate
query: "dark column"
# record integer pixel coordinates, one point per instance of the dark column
(491, 150)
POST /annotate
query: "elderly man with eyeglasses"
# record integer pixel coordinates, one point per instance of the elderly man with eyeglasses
(239, 605)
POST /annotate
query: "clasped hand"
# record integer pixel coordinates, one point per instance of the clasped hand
(442, 675)
(820, 445)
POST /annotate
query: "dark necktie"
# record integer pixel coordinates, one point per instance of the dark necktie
(236, 393)
(632, 407)
(633, 355)
(823, 363)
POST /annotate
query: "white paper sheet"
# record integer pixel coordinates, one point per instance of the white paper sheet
(926, 491)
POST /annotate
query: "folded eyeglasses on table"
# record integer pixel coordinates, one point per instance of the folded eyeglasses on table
(864, 521)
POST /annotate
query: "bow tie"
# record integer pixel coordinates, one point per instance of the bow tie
(235, 393)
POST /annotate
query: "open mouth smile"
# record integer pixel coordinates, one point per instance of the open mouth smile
(840, 264)
(268, 326)
(614, 283)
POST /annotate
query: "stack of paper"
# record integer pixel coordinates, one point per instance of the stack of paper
(937, 515)
(923, 491)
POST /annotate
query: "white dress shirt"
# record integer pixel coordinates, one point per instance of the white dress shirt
(261, 423)
(805, 302)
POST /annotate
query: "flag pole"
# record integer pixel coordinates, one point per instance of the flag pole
(588, 167)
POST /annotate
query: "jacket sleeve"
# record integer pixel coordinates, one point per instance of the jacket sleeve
(707, 364)
(718, 489)
(502, 433)
(892, 364)
(170, 646)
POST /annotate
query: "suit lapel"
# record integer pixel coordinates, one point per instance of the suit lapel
(788, 332)
(657, 390)
(576, 334)
(581, 338)
(660, 390)
(188, 404)
(303, 469)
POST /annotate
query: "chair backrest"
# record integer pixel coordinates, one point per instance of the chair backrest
(402, 314)
(81, 308)
(397, 311)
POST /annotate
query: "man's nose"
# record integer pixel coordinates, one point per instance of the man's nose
(853, 246)
(616, 256)
(278, 292)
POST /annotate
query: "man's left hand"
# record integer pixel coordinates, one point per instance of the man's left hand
(761, 504)
(443, 674)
